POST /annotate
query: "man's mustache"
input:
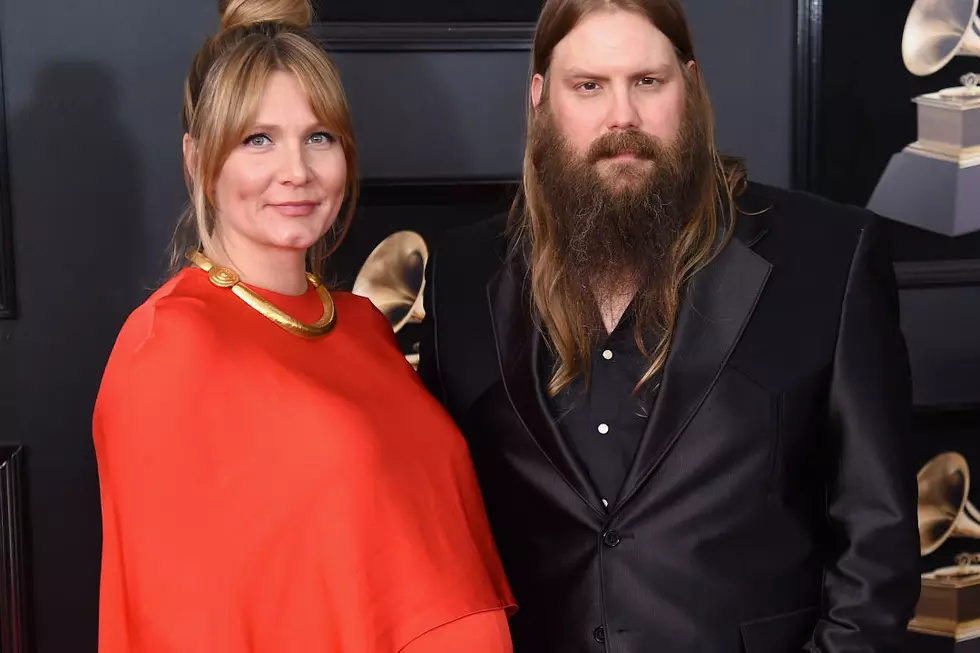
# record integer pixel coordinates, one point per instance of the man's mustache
(639, 144)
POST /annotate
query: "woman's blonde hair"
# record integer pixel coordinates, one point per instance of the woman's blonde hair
(221, 98)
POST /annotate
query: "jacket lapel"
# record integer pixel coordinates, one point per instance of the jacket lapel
(518, 341)
(713, 314)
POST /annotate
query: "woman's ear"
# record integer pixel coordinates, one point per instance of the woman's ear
(190, 156)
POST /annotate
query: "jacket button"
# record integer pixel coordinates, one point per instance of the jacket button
(599, 634)
(611, 538)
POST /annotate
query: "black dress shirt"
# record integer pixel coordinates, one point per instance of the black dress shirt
(603, 426)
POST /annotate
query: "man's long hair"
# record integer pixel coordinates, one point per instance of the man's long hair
(534, 227)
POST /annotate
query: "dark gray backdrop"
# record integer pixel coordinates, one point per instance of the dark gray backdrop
(92, 93)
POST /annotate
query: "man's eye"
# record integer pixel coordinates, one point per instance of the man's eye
(589, 86)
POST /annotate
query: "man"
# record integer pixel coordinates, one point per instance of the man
(686, 396)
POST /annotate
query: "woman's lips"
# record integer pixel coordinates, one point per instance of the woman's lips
(295, 209)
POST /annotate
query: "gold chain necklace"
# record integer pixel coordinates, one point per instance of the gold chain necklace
(224, 277)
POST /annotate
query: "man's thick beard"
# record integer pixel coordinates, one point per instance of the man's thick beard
(618, 230)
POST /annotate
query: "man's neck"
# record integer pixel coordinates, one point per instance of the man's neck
(613, 302)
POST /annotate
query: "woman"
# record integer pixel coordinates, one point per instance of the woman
(274, 477)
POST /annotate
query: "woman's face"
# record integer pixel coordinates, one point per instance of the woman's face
(283, 185)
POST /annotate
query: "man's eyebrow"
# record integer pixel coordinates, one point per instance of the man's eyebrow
(582, 73)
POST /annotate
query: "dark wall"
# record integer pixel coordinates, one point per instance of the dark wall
(428, 10)
(865, 115)
(867, 110)
(92, 92)
(746, 48)
(475, 100)
(92, 95)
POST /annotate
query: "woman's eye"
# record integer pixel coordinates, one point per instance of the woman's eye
(256, 140)
(322, 138)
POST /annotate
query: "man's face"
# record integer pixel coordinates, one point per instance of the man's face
(614, 72)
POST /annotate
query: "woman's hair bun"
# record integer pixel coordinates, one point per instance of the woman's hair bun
(242, 13)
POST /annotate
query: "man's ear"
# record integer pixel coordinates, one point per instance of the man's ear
(190, 155)
(537, 89)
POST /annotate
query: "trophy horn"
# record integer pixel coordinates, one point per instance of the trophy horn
(944, 506)
(393, 278)
(938, 30)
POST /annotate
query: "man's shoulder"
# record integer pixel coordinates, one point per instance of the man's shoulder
(799, 214)
(475, 249)
(480, 234)
(800, 228)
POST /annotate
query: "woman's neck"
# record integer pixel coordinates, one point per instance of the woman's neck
(278, 270)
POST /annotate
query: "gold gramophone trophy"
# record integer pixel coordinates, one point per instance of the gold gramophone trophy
(934, 183)
(949, 604)
(393, 278)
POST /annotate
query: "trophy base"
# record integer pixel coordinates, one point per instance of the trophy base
(957, 631)
(931, 190)
(921, 643)
(947, 616)
(948, 124)
(934, 183)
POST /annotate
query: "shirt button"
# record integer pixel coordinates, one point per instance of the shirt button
(605, 503)
(607, 354)
(599, 634)
(611, 538)
(603, 428)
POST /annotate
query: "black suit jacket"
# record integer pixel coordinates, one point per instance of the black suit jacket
(770, 507)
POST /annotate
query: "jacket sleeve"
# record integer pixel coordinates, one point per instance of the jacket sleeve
(871, 581)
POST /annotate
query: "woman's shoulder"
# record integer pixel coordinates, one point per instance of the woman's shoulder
(360, 313)
(359, 304)
(176, 320)
(164, 356)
